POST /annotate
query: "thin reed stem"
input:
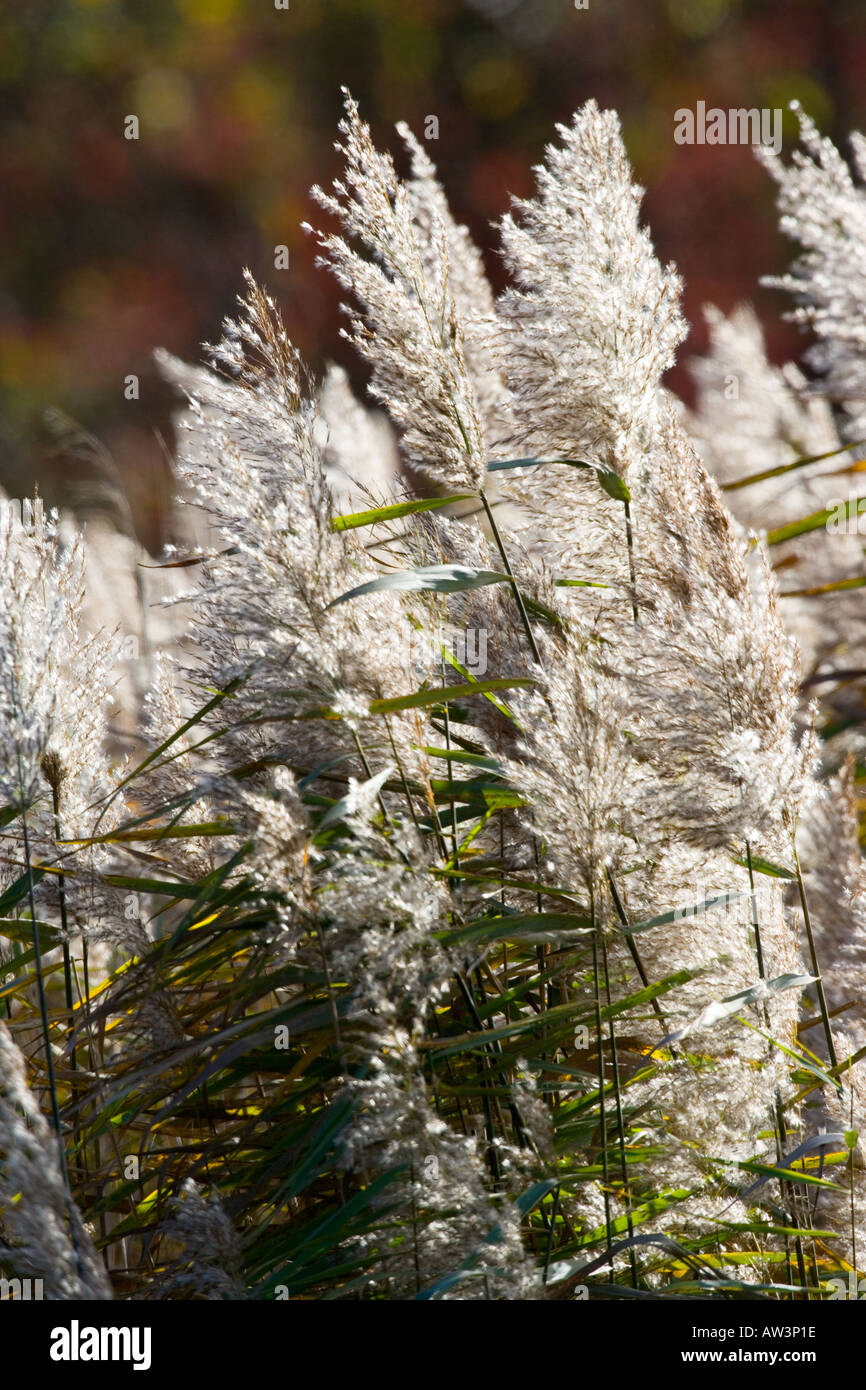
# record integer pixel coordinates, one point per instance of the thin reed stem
(813, 956)
(626, 1185)
(524, 616)
(631, 570)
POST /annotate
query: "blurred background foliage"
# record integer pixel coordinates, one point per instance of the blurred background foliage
(111, 246)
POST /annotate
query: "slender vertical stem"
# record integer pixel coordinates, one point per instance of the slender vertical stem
(753, 901)
(402, 775)
(787, 1190)
(819, 984)
(630, 542)
(450, 766)
(633, 952)
(601, 1077)
(492, 1156)
(626, 1188)
(551, 1231)
(778, 1114)
(493, 1049)
(332, 1004)
(524, 616)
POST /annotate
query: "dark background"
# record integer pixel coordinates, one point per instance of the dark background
(110, 247)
